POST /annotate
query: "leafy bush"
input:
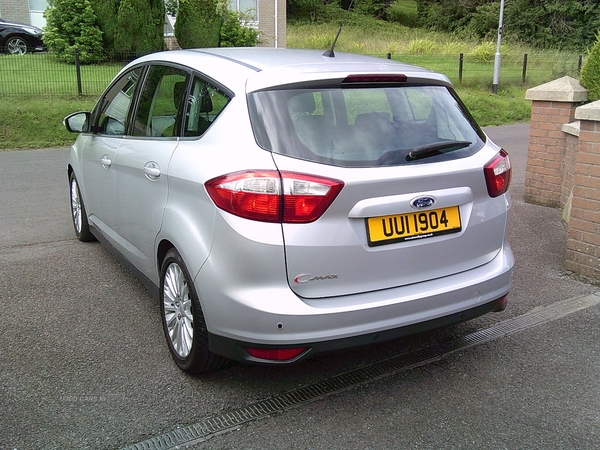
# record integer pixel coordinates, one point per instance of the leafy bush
(445, 15)
(404, 13)
(235, 32)
(484, 22)
(309, 11)
(140, 27)
(590, 72)
(70, 25)
(106, 12)
(198, 24)
(373, 8)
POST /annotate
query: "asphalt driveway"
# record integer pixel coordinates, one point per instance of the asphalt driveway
(83, 362)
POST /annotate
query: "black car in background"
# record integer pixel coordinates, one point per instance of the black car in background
(19, 38)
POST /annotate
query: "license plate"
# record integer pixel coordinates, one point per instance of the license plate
(417, 225)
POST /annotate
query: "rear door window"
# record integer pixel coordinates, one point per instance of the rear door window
(203, 105)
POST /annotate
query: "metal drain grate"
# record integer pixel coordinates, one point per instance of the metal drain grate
(218, 424)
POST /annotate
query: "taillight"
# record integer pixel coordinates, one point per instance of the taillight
(497, 174)
(272, 196)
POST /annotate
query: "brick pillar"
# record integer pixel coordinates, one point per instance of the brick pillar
(583, 241)
(553, 105)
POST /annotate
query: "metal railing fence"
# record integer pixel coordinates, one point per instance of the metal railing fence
(41, 74)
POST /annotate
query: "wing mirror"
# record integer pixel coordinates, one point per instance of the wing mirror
(78, 122)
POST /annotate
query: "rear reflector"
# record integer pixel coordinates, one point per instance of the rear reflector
(497, 174)
(283, 354)
(270, 196)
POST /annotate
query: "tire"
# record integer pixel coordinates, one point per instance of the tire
(183, 320)
(16, 45)
(78, 212)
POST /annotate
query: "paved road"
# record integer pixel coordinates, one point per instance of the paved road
(83, 362)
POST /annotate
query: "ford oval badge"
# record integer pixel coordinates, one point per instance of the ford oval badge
(423, 202)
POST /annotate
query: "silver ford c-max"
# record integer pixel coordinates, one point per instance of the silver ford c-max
(282, 203)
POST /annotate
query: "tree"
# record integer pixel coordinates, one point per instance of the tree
(544, 23)
(198, 24)
(70, 25)
(140, 27)
(106, 12)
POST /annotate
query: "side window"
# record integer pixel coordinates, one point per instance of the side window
(112, 110)
(161, 99)
(204, 104)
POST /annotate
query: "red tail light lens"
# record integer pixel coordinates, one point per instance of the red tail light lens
(271, 196)
(284, 354)
(497, 174)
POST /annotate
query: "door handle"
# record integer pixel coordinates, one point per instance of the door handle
(106, 161)
(152, 170)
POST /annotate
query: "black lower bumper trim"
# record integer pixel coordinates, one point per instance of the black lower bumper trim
(235, 349)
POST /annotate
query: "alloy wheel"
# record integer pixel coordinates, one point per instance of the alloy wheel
(76, 206)
(178, 310)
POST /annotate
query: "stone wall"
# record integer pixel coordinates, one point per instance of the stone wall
(563, 167)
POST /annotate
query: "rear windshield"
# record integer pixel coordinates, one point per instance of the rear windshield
(366, 126)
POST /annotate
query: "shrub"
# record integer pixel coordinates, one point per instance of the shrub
(445, 15)
(198, 24)
(373, 8)
(484, 22)
(590, 72)
(235, 32)
(402, 13)
(71, 24)
(140, 27)
(308, 10)
(106, 12)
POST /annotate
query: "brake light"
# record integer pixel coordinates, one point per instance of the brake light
(272, 196)
(375, 78)
(497, 174)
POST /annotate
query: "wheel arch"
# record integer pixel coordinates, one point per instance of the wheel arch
(19, 36)
(163, 248)
(190, 232)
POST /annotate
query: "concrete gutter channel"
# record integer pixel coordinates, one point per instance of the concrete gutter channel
(528, 377)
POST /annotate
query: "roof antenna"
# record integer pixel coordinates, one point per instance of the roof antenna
(329, 53)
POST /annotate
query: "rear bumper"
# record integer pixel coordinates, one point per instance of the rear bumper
(277, 319)
(235, 349)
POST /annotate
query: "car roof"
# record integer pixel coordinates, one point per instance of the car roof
(256, 68)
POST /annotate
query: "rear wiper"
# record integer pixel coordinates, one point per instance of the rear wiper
(435, 148)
